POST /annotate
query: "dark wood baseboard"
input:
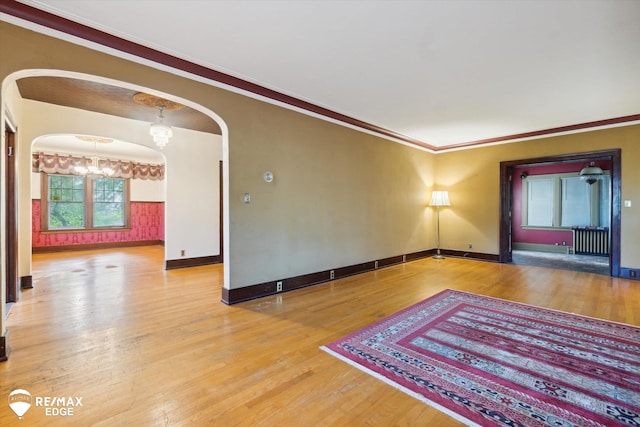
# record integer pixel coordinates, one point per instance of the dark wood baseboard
(172, 264)
(233, 296)
(92, 246)
(630, 273)
(471, 255)
(4, 347)
(26, 282)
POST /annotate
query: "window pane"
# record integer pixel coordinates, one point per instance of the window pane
(66, 204)
(108, 214)
(540, 202)
(576, 207)
(66, 215)
(108, 206)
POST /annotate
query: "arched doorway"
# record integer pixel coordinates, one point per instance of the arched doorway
(24, 239)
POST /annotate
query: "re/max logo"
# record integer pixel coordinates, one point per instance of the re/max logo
(58, 401)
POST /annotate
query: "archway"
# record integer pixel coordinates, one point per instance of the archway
(24, 239)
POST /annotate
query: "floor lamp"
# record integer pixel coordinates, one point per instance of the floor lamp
(439, 198)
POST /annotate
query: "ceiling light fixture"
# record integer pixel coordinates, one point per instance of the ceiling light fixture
(94, 171)
(159, 131)
(591, 173)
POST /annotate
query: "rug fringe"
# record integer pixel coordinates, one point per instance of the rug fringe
(405, 390)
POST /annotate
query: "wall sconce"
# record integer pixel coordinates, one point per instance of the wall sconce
(439, 198)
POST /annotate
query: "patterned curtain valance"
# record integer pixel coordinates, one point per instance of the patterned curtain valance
(64, 164)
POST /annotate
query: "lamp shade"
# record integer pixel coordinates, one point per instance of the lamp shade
(440, 198)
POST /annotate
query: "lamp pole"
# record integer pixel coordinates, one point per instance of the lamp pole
(438, 255)
(439, 198)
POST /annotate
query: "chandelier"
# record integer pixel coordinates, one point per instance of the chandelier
(160, 132)
(93, 170)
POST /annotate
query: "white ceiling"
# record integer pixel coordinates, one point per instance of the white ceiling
(442, 72)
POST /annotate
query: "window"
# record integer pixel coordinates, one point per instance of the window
(576, 202)
(540, 212)
(108, 203)
(79, 203)
(565, 201)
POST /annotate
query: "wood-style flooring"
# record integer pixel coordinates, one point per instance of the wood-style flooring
(146, 347)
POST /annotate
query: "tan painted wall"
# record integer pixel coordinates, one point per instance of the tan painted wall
(473, 180)
(339, 196)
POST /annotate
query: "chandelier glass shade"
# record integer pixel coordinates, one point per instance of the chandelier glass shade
(93, 170)
(591, 173)
(160, 133)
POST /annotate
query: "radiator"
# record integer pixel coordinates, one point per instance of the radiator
(591, 241)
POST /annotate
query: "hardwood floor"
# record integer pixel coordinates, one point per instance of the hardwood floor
(146, 347)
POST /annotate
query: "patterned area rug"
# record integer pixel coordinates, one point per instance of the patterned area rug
(491, 362)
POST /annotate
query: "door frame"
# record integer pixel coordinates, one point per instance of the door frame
(506, 199)
(11, 220)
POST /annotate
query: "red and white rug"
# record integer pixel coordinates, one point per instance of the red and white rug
(490, 362)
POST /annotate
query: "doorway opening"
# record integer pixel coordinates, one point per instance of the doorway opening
(35, 100)
(564, 249)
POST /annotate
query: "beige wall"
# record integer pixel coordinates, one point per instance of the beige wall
(473, 179)
(339, 196)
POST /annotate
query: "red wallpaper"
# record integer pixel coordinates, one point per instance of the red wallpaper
(147, 223)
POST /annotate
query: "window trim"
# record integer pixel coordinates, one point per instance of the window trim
(557, 200)
(88, 207)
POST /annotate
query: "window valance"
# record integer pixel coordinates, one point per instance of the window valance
(64, 164)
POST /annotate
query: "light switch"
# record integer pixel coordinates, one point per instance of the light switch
(627, 203)
(247, 198)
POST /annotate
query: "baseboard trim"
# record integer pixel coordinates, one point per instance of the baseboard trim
(26, 282)
(172, 264)
(92, 246)
(247, 293)
(630, 273)
(562, 249)
(471, 255)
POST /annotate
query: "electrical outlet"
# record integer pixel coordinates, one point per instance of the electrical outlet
(332, 275)
(183, 252)
(632, 273)
(470, 245)
(376, 264)
(279, 286)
